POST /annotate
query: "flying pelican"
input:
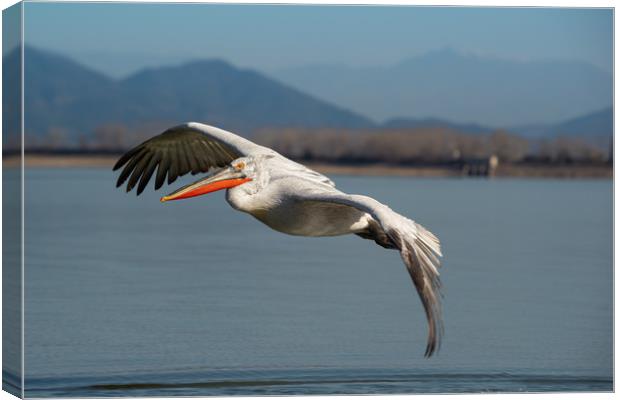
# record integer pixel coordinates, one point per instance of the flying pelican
(286, 196)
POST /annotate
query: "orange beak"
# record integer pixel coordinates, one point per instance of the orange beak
(224, 179)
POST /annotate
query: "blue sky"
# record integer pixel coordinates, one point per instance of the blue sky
(121, 38)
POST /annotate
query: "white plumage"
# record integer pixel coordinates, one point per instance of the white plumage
(287, 197)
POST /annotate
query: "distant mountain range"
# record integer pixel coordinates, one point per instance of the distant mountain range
(65, 96)
(460, 87)
(596, 124)
(59, 93)
(404, 122)
(596, 127)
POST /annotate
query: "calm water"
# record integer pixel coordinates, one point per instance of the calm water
(127, 296)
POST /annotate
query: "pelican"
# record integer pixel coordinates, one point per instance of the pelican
(287, 197)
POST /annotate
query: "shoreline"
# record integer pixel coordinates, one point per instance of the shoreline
(603, 171)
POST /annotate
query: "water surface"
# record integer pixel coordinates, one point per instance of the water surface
(126, 296)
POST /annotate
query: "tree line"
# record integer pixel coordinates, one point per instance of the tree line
(433, 145)
(423, 145)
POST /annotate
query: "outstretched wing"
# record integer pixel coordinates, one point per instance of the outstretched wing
(419, 250)
(191, 147)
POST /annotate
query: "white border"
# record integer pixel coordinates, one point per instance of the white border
(477, 3)
(23, 208)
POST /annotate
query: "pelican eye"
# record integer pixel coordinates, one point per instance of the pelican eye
(240, 166)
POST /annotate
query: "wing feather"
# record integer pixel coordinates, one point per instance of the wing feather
(162, 170)
(186, 148)
(182, 159)
(173, 172)
(139, 170)
(129, 167)
(148, 171)
(217, 153)
(191, 158)
(126, 157)
(202, 154)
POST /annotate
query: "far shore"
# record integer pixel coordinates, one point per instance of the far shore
(600, 171)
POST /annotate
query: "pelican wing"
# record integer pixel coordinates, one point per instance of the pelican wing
(186, 148)
(419, 249)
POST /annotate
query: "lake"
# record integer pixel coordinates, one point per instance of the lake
(126, 296)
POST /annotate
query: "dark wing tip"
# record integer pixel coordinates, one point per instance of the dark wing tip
(121, 161)
(126, 157)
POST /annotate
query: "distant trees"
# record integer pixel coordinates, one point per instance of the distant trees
(564, 149)
(109, 137)
(55, 138)
(417, 145)
(115, 136)
(507, 147)
(422, 145)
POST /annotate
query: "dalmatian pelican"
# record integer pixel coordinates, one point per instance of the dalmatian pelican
(286, 196)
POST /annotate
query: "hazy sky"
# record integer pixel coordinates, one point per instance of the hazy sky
(120, 38)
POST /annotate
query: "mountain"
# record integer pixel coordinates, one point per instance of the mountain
(66, 97)
(460, 87)
(596, 128)
(470, 128)
(215, 91)
(597, 124)
(61, 94)
(66, 100)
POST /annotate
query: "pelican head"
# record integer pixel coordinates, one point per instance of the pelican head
(239, 171)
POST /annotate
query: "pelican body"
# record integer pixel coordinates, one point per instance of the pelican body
(287, 197)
